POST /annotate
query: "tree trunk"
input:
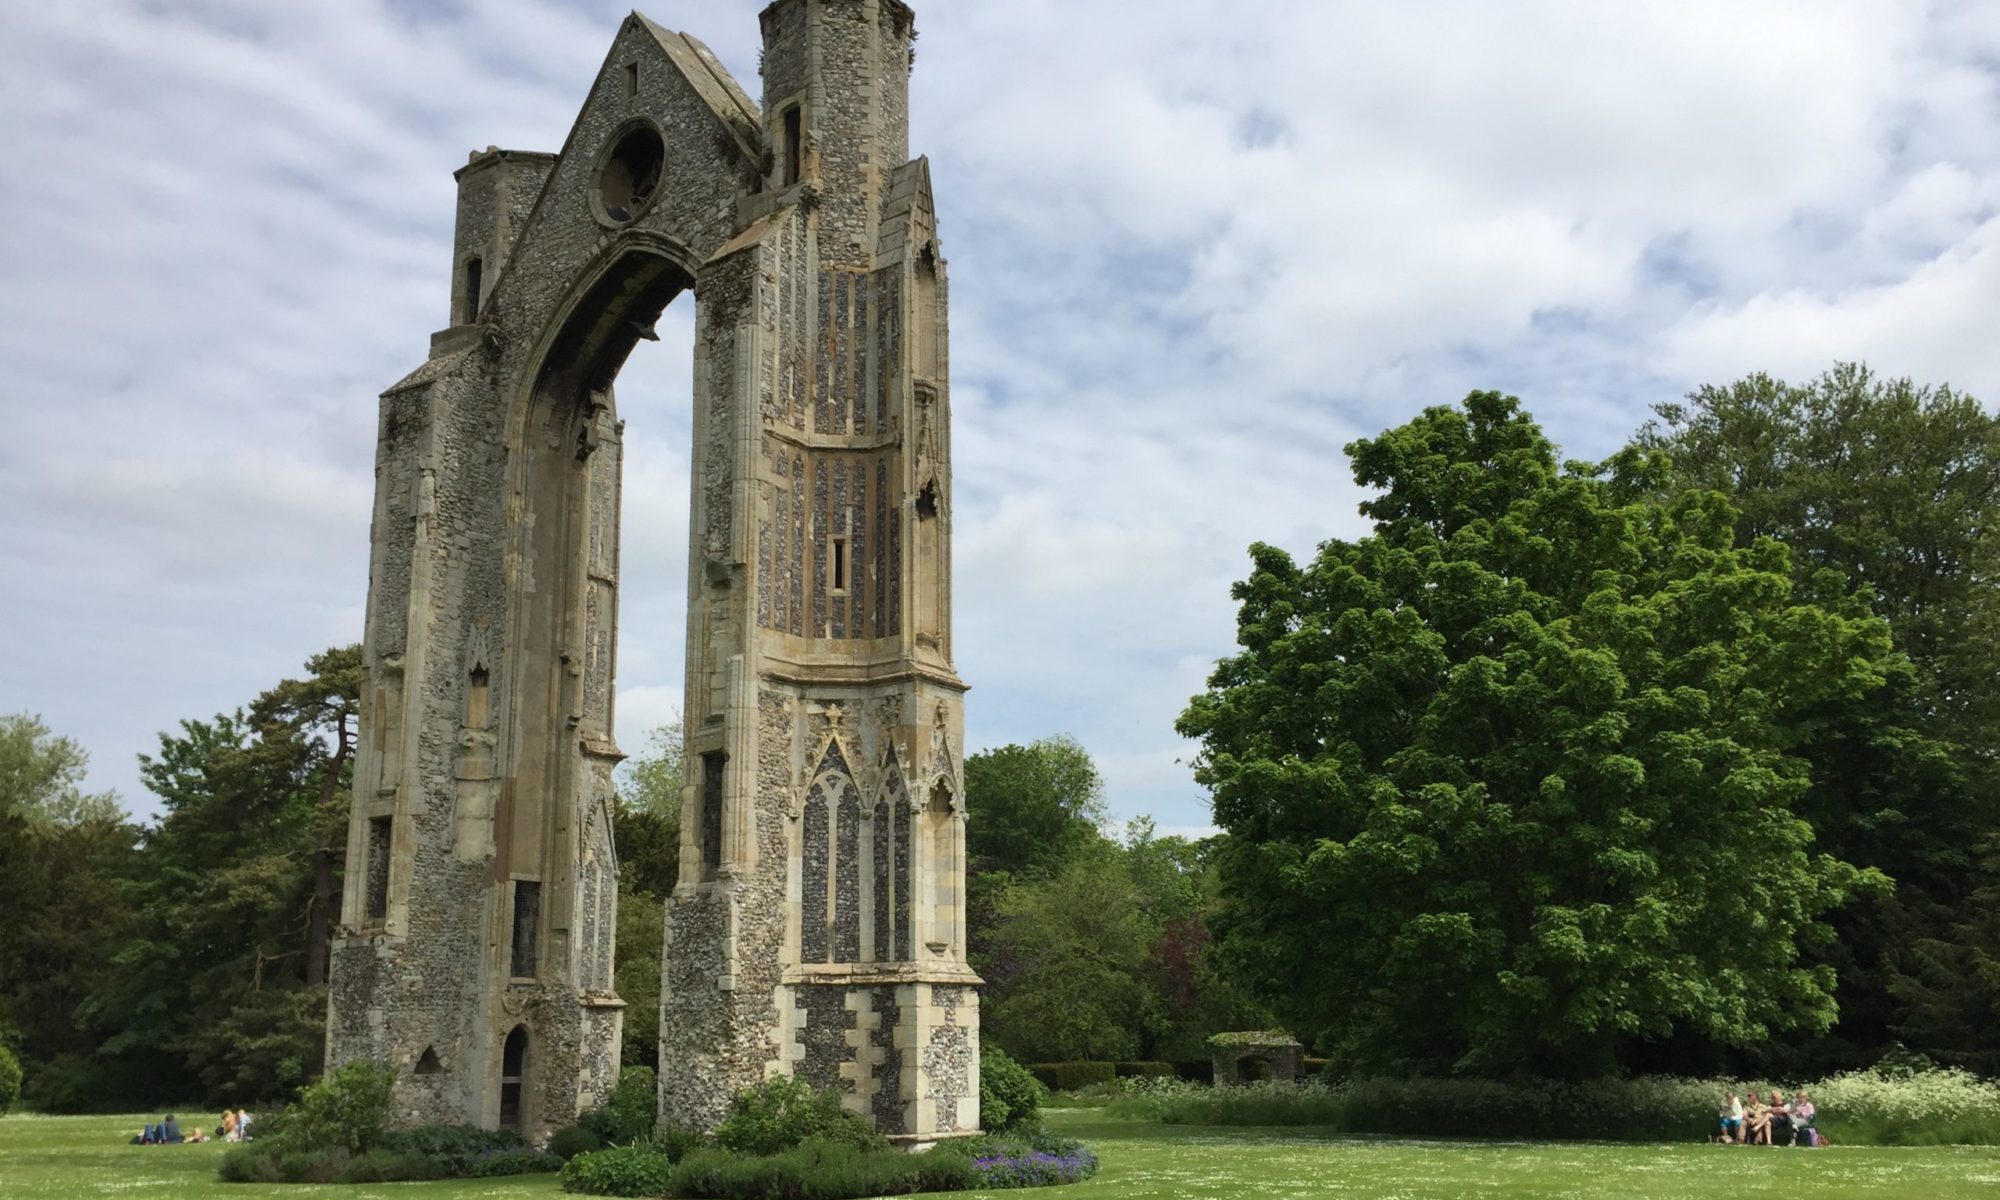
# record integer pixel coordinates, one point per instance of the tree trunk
(319, 918)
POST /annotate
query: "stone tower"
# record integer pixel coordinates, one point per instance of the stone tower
(817, 928)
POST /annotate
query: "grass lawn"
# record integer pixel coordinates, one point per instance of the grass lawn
(59, 1158)
(67, 1158)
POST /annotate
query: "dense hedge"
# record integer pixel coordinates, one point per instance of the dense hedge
(387, 1163)
(1069, 1076)
(1143, 1070)
(516, 1162)
(1930, 1108)
(1198, 1070)
(456, 1149)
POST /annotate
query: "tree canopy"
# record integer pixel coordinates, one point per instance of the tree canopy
(1092, 947)
(1886, 492)
(1037, 804)
(1512, 778)
(223, 975)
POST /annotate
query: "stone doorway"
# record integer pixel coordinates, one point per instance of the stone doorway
(513, 1077)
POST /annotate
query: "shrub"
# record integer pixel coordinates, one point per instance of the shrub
(516, 1162)
(454, 1148)
(424, 1152)
(348, 1108)
(571, 1140)
(678, 1140)
(1009, 1096)
(389, 1166)
(269, 1163)
(1896, 1107)
(782, 1113)
(1143, 1070)
(249, 1164)
(630, 1112)
(1069, 1076)
(617, 1171)
(10, 1079)
(819, 1170)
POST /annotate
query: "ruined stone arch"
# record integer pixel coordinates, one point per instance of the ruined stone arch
(819, 548)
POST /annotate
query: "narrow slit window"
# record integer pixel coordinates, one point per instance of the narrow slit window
(380, 830)
(527, 921)
(711, 812)
(794, 144)
(840, 564)
(473, 271)
(631, 80)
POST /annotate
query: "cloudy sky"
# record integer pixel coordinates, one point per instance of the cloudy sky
(1196, 248)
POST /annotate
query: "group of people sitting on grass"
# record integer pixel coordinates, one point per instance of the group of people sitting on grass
(235, 1127)
(1777, 1123)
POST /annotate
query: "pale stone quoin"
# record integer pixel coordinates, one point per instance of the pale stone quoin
(818, 926)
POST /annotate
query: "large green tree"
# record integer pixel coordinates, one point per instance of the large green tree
(1091, 947)
(1510, 780)
(1893, 485)
(41, 776)
(1036, 805)
(63, 851)
(1887, 491)
(231, 891)
(1066, 963)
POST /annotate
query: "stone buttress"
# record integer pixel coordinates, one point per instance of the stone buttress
(817, 928)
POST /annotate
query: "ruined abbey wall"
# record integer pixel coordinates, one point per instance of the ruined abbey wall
(817, 927)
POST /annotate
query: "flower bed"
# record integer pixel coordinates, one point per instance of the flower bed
(1035, 1168)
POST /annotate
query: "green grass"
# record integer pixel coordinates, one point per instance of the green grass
(73, 1158)
(63, 1158)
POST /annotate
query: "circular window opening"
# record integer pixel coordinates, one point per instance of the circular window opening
(632, 174)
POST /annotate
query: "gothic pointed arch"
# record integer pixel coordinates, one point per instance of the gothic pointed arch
(894, 821)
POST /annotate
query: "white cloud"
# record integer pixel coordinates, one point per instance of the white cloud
(1192, 255)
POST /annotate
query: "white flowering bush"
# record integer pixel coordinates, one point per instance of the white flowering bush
(1931, 1107)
